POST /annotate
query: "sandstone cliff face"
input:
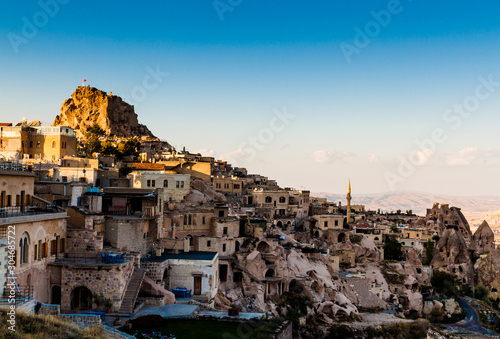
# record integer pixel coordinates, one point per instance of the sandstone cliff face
(483, 239)
(451, 255)
(88, 106)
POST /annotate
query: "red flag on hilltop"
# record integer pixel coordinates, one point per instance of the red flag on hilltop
(84, 80)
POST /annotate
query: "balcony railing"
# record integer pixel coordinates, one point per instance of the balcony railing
(19, 211)
(91, 258)
(14, 166)
(22, 294)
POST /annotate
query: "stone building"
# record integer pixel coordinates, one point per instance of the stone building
(175, 186)
(198, 271)
(196, 169)
(202, 229)
(39, 231)
(229, 184)
(277, 201)
(30, 141)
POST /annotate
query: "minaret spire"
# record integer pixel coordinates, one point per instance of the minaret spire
(349, 202)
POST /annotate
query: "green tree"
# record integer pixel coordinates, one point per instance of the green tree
(124, 171)
(392, 249)
(429, 251)
(92, 144)
(131, 147)
(107, 148)
(482, 292)
(445, 283)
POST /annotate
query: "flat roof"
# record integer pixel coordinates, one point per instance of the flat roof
(191, 255)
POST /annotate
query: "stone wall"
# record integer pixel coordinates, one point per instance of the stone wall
(83, 241)
(3, 265)
(108, 280)
(128, 234)
(82, 319)
(155, 270)
(47, 309)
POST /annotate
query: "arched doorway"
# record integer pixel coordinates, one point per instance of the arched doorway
(341, 237)
(236, 246)
(56, 295)
(263, 247)
(279, 224)
(81, 298)
(270, 273)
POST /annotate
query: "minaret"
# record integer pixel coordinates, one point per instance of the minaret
(349, 202)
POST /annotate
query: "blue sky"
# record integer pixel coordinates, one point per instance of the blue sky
(359, 119)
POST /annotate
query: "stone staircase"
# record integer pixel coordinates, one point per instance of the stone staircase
(130, 296)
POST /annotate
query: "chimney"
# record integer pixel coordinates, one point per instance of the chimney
(186, 245)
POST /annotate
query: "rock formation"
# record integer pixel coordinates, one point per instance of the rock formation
(89, 106)
(202, 193)
(451, 255)
(268, 271)
(483, 239)
(150, 287)
(487, 268)
(440, 218)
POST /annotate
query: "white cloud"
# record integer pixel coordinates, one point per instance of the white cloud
(469, 155)
(323, 156)
(374, 158)
(235, 157)
(205, 152)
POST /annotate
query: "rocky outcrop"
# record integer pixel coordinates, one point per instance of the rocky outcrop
(150, 287)
(202, 193)
(440, 218)
(483, 239)
(363, 249)
(451, 255)
(269, 271)
(487, 268)
(89, 106)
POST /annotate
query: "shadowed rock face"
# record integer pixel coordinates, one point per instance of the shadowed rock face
(451, 255)
(88, 106)
(483, 239)
(487, 268)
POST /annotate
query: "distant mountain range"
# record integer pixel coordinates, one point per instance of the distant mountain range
(475, 209)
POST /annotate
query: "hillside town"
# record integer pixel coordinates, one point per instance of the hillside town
(111, 224)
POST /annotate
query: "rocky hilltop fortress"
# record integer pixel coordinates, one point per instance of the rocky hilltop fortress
(122, 221)
(89, 106)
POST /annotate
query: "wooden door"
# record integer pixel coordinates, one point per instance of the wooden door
(197, 285)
